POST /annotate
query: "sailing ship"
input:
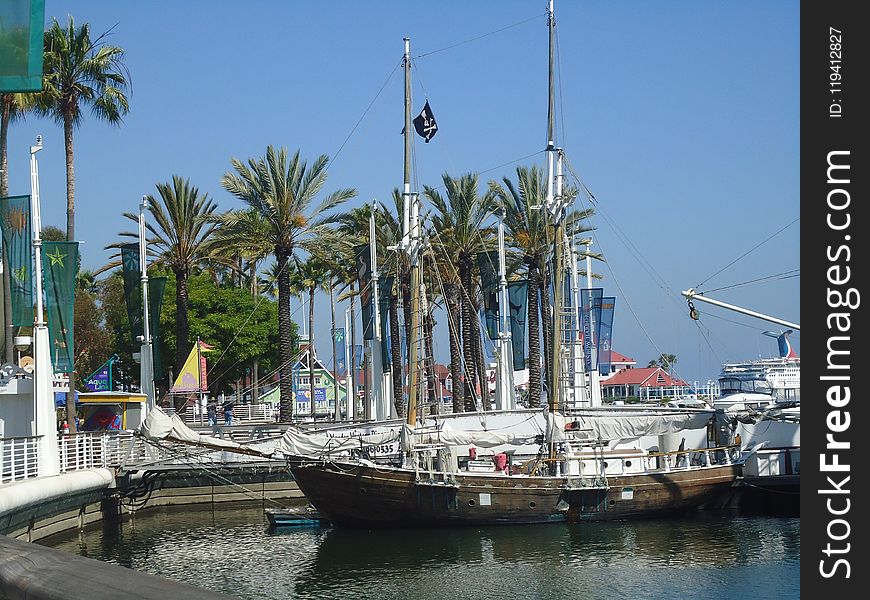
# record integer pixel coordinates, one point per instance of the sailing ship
(580, 467)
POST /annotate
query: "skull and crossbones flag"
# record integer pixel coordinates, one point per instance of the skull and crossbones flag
(425, 123)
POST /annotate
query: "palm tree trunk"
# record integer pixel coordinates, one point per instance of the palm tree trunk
(396, 357)
(311, 290)
(534, 365)
(480, 362)
(334, 353)
(285, 342)
(428, 329)
(454, 322)
(468, 352)
(70, 236)
(547, 321)
(70, 178)
(182, 324)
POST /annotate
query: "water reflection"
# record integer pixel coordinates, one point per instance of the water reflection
(709, 555)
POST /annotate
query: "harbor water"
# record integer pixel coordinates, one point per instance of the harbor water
(715, 555)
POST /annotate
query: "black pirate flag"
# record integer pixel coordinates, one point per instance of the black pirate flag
(425, 123)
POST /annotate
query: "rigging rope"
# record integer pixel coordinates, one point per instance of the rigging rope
(479, 37)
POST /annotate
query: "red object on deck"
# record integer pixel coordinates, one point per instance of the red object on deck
(500, 461)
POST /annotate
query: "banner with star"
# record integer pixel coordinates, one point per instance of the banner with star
(132, 273)
(17, 249)
(59, 266)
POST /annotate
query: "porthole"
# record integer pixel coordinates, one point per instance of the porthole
(605, 464)
(471, 503)
(532, 504)
(612, 502)
(628, 463)
(362, 491)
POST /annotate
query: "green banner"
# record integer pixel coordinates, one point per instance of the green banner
(518, 294)
(487, 262)
(132, 273)
(59, 265)
(131, 270)
(21, 48)
(18, 250)
(156, 287)
(364, 276)
(385, 291)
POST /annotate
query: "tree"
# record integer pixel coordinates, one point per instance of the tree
(529, 235)
(180, 228)
(282, 192)
(239, 326)
(665, 361)
(461, 236)
(79, 72)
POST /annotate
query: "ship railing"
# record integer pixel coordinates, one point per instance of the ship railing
(696, 458)
(19, 458)
(425, 471)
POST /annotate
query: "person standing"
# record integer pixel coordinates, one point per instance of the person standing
(211, 409)
(228, 412)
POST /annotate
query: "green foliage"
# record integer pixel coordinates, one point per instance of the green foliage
(240, 327)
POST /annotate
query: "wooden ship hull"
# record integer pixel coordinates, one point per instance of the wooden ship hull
(367, 495)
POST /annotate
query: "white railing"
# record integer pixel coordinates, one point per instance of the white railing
(93, 450)
(18, 458)
(242, 413)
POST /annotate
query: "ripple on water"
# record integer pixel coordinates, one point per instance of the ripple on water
(705, 555)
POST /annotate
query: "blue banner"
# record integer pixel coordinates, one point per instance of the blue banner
(340, 353)
(590, 306)
(606, 332)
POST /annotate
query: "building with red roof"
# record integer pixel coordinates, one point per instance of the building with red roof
(647, 383)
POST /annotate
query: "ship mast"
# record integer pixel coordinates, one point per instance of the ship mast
(410, 244)
(553, 204)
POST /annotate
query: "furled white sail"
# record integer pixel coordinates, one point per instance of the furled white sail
(160, 426)
(296, 442)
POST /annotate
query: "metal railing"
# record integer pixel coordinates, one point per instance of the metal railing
(242, 413)
(18, 458)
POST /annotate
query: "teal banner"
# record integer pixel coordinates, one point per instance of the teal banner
(518, 296)
(132, 274)
(59, 266)
(21, 48)
(156, 287)
(385, 291)
(18, 251)
(364, 276)
(487, 262)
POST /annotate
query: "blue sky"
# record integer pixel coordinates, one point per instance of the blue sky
(681, 117)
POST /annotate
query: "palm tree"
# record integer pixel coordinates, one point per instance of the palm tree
(529, 234)
(314, 275)
(462, 235)
(282, 192)
(180, 229)
(80, 72)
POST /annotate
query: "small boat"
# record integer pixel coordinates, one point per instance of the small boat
(298, 516)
